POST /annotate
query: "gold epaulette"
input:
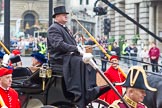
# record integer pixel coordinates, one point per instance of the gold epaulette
(115, 104)
(130, 102)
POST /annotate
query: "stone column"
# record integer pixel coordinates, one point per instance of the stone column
(119, 22)
(151, 22)
(111, 16)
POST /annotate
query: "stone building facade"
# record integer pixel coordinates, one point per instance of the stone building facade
(31, 15)
(146, 12)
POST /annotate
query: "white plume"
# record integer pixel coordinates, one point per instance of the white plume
(5, 60)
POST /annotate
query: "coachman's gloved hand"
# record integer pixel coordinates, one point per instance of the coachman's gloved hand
(81, 49)
(87, 57)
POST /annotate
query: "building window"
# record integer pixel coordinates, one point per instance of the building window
(80, 2)
(87, 2)
(29, 19)
(137, 16)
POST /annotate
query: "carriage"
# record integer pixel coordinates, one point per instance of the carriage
(44, 89)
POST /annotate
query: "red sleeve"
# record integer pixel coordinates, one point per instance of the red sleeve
(16, 101)
(123, 78)
(107, 74)
(158, 52)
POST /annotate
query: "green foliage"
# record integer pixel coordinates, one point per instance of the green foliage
(121, 41)
(111, 40)
(135, 38)
(121, 38)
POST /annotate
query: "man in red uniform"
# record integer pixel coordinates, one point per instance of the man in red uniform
(136, 84)
(114, 75)
(9, 95)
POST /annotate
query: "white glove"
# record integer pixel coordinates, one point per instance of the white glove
(5, 60)
(87, 57)
(81, 49)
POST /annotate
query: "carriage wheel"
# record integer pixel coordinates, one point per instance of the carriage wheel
(34, 103)
(98, 104)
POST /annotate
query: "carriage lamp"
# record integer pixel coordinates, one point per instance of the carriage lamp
(42, 74)
(48, 72)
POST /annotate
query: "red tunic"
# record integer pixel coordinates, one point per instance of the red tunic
(114, 75)
(10, 98)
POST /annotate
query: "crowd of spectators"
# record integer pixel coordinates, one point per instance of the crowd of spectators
(131, 51)
(27, 45)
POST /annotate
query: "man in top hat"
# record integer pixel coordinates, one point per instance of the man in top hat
(114, 75)
(9, 95)
(136, 84)
(65, 59)
(59, 40)
(37, 60)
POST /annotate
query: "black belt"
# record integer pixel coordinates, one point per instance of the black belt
(56, 62)
(56, 69)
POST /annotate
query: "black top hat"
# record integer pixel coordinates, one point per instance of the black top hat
(137, 79)
(59, 10)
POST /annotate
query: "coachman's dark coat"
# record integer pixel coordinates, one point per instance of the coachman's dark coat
(79, 79)
(60, 42)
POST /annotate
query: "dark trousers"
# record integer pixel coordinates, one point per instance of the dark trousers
(154, 65)
(103, 65)
(145, 67)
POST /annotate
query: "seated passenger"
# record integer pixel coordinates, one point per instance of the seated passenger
(37, 60)
(15, 59)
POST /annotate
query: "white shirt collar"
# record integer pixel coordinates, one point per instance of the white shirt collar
(4, 88)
